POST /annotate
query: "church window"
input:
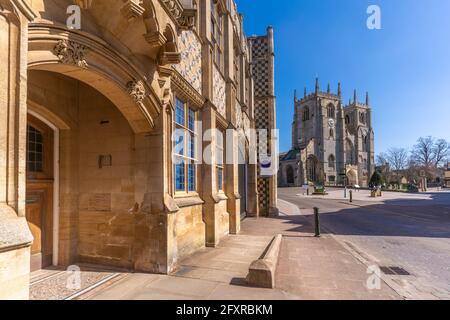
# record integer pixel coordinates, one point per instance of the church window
(306, 114)
(331, 111)
(362, 117)
(347, 119)
(365, 140)
(331, 162)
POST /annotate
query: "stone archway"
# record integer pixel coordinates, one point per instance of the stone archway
(352, 177)
(290, 176)
(118, 93)
(87, 59)
(312, 169)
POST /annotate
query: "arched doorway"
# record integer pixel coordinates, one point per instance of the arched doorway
(290, 179)
(349, 152)
(40, 199)
(107, 109)
(352, 177)
(312, 169)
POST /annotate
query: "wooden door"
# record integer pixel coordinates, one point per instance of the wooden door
(39, 201)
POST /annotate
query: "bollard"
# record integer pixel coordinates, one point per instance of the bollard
(317, 222)
(351, 196)
(345, 193)
(307, 191)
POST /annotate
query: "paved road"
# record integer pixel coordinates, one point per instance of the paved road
(412, 234)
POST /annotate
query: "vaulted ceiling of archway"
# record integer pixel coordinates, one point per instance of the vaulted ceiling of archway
(107, 20)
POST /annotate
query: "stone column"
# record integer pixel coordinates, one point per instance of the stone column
(212, 210)
(253, 197)
(232, 180)
(15, 236)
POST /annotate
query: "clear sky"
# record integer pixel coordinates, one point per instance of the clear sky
(405, 66)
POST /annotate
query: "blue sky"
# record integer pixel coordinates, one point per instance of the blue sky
(405, 66)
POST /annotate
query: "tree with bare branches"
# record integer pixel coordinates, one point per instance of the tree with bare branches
(423, 152)
(441, 152)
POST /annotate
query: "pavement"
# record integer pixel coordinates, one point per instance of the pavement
(347, 262)
(409, 231)
(309, 268)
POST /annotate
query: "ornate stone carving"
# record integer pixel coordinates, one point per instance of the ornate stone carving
(136, 89)
(70, 52)
(174, 7)
(183, 13)
(187, 19)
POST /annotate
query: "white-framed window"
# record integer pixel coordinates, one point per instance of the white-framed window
(217, 34)
(220, 159)
(185, 148)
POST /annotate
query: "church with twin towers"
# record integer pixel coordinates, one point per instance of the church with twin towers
(332, 143)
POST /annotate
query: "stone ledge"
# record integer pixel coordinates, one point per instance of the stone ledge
(14, 230)
(262, 271)
(189, 201)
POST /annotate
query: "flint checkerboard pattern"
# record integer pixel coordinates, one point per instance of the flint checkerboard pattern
(263, 77)
(219, 92)
(190, 66)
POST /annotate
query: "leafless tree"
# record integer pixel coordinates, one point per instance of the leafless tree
(382, 159)
(423, 153)
(441, 152)
(397, 158)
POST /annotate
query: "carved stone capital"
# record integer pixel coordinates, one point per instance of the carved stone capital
(70, 52)
(136, 90)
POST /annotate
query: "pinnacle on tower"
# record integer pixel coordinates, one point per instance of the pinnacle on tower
(295, 95)
(355, 97)
(317, 86)
(367, 98)
(339, 89)
(328, 89)
(304, 93)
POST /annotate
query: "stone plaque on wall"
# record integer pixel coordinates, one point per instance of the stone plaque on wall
(98, 202)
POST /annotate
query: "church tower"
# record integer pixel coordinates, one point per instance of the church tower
(332, 144)
(318, 124)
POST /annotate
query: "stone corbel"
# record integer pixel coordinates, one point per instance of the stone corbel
(164, 80)
(169, 58)
(132, 9)
(155, 39)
